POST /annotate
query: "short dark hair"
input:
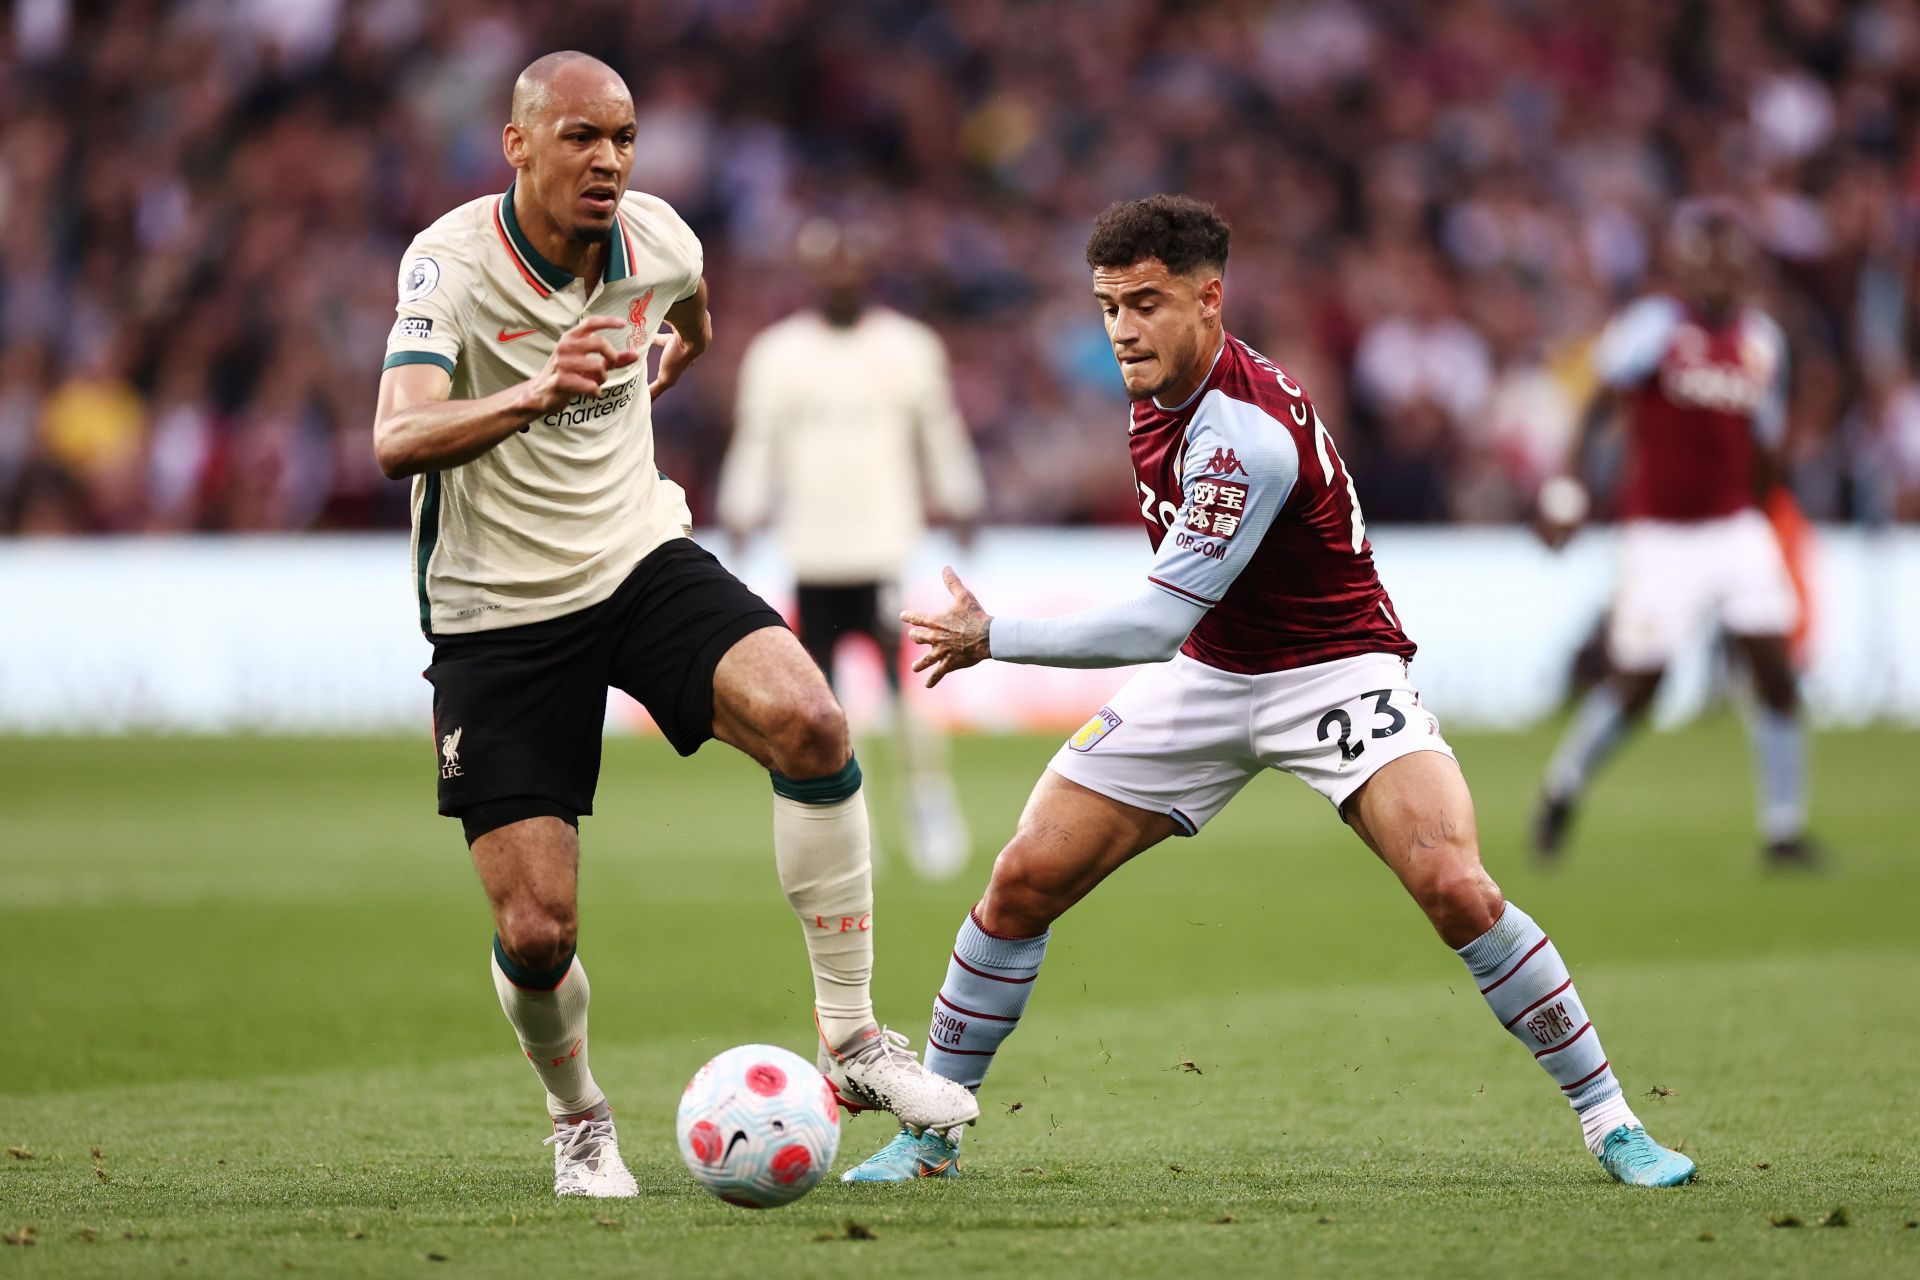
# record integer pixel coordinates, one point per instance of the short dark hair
(1182, 232)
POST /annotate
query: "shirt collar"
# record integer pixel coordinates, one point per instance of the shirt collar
(534, 268)
(1176, 408)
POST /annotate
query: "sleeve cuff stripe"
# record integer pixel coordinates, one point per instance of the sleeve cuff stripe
(1182, 592)
(398, 358)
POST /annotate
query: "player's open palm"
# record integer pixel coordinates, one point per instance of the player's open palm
(956, 638)
(580, 363)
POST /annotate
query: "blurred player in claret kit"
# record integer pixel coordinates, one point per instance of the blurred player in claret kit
(552, 562)
(851, 402)
(1701, 382)
(1276, 648)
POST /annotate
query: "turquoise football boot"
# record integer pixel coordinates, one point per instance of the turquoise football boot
(908, 1157)
(1637, 1160)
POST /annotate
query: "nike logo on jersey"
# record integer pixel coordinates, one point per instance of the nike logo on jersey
(509, 337)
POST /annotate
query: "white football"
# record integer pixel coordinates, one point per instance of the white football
(758, 1126)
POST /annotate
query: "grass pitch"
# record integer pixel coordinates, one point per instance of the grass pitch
(248, 1028)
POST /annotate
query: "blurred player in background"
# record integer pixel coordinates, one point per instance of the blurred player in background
(552, 561)
(1275, 647)
(846, 419)
(1701, 381)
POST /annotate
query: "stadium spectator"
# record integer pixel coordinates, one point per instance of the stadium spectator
(195, 282)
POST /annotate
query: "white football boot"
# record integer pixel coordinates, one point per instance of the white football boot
(873, 1070)
(586, 1159)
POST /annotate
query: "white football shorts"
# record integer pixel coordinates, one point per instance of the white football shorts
(1674, 575)
(1181, 738)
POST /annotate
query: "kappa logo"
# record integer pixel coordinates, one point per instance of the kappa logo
(1089, 734)
(450, 754)
(1223, 463)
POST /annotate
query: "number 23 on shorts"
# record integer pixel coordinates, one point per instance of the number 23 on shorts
(1375, 706)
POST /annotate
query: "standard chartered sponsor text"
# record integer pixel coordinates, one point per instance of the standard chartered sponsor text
(584, 409)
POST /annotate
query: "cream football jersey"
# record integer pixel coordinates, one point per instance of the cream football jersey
(842, 430)
(553, 518)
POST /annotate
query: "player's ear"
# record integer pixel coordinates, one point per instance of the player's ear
(1213, 295)
(513, 145)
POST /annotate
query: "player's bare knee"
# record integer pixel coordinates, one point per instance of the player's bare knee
(813, 740)
(1461, 901)
(1450, 884)
(537, 937)
(1024, 896)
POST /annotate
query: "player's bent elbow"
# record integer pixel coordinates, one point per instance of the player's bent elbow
(1168, 646)
(392, 466)
(1162, 645)
(387, 454)
(395, 458)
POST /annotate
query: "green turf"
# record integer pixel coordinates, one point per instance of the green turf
(251, 975)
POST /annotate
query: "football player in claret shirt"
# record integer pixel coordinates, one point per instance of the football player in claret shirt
(1700, 380)
(1275, 648)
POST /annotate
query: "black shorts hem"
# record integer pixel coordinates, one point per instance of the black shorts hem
(551, 789)
(689, 736)
(487, 816)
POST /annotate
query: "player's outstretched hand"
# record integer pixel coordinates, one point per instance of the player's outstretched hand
(675, 356)
(954, 639)
(1563, 506)
(579, 364)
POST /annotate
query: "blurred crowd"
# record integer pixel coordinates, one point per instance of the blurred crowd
(1436, 205)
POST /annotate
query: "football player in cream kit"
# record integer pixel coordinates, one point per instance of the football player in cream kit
(551, 562)
(849, 401)
(1275, 648)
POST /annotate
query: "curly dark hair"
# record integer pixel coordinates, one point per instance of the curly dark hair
(1182, 232)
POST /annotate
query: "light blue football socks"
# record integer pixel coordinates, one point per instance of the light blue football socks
(1780, 761)
(1526, 984)
(1595, 730)
(989, 981)
(1524, 981)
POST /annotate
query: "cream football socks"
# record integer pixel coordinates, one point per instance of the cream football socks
(549, 1015)
(823, 851)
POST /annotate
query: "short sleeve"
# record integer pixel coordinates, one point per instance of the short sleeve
(1631, 346)
(1239, 468)
(682, 244)
(427, 326)
(696, 259)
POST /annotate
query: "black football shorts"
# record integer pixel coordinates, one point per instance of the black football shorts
(859, 608)
(519, 711)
